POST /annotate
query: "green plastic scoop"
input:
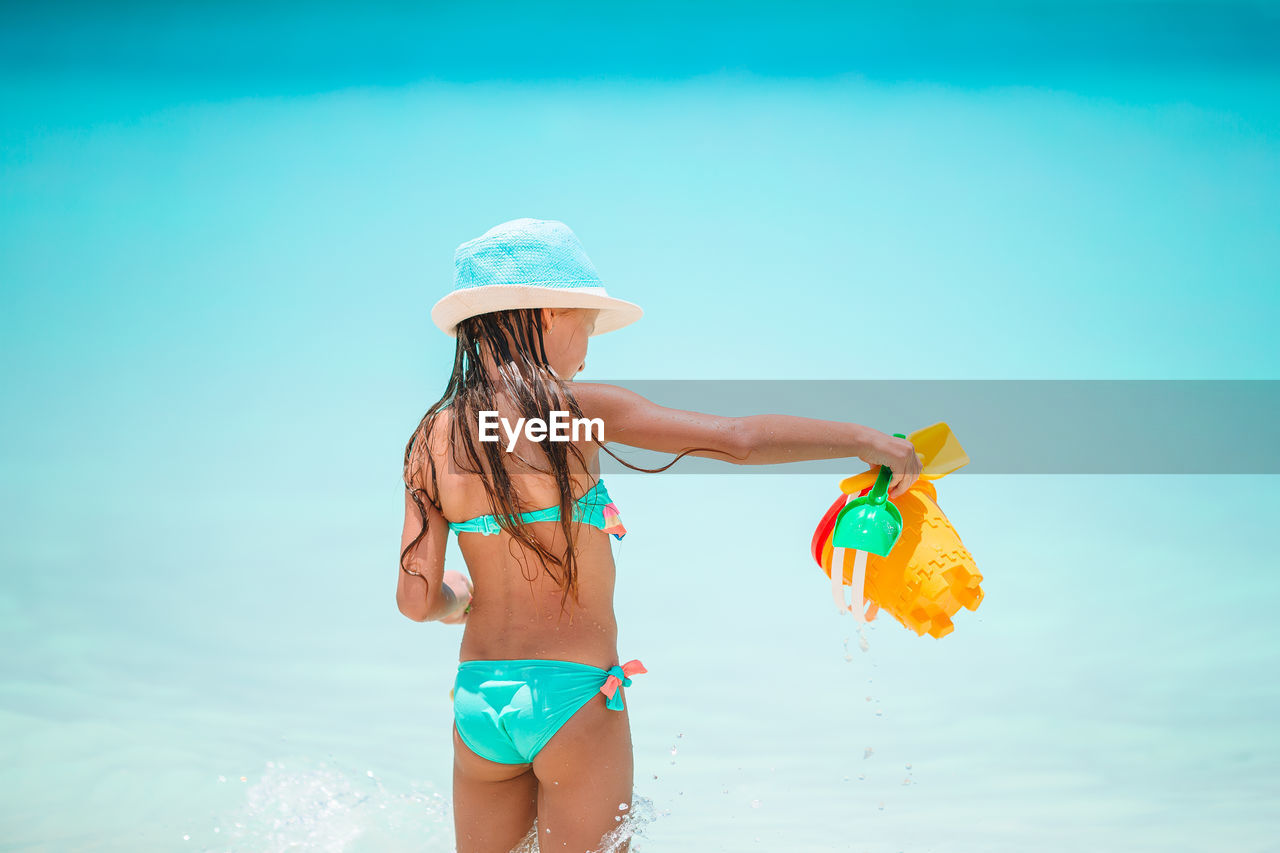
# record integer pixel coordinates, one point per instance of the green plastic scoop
(870, 523)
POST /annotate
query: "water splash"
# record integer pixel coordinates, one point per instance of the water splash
(320, 805)
(630, 828)
(302, 803)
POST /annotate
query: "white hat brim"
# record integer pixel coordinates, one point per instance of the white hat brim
(458, 305)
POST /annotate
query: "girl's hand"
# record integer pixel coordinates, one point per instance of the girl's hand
(462, 589)
(900, 457)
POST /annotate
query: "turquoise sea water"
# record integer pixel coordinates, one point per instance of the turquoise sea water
(217, 273)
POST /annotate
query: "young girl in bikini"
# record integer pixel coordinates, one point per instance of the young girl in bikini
(540, 720)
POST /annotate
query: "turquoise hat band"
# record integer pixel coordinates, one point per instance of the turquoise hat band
(528, 263)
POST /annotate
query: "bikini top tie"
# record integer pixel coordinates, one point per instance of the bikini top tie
(595, 508)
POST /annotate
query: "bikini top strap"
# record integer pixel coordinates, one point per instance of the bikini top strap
(588, 508)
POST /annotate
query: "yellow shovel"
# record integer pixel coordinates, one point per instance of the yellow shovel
(939, 451)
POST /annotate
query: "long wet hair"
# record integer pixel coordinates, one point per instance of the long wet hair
(513, 340)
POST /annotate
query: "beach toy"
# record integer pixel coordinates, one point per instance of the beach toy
(939, 451)
(870, 523)
(927, 575)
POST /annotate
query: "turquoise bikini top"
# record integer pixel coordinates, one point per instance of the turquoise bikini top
(595, 508)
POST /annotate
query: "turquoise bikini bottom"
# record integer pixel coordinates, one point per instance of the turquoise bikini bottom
(507, 710)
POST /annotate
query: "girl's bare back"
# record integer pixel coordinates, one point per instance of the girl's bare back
(516, 605)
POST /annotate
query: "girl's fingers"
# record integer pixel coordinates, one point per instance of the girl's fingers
(902, 484)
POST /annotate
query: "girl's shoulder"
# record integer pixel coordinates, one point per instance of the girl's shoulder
(430, 450)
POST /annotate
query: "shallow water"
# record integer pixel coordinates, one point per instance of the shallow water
(1087, 699)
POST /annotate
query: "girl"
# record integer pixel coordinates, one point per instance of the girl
(540, 721)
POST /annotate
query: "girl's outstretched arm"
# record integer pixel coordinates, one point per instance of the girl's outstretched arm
(635, 421)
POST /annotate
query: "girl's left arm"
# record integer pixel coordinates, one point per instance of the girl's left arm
(423, 597)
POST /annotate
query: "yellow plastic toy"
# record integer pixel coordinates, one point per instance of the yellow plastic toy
(929, 574)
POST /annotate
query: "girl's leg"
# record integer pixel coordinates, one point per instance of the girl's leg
(584, 776)
(493, 804)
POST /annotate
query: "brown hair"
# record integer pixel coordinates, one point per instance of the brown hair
(514, 340)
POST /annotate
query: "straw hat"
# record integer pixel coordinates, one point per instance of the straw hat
(527, 263)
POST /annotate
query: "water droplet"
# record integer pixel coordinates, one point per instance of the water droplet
(186, 838)
(881, 807)
(866, 753)
(908, 766)
(681, 734)
(222, 778)
(755, 804)
(369, 773)
(623, 806)
(673, 750)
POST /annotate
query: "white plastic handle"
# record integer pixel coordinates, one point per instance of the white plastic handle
(861, 610)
